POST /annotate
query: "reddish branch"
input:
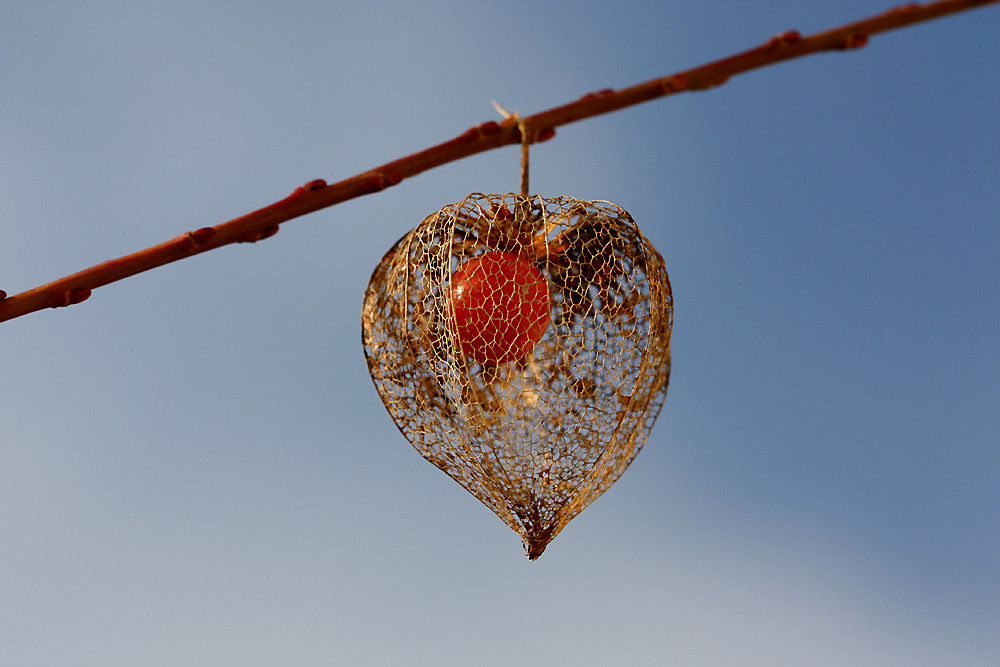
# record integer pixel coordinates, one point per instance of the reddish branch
(317, 195)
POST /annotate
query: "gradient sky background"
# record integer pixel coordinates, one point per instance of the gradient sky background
(195, 468)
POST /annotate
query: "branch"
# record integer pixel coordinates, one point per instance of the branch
(317, 194)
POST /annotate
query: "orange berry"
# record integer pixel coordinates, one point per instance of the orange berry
(501, 307)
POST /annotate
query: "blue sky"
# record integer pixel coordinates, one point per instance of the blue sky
(196, 469)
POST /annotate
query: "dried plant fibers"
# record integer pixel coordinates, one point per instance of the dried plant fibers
(522, 345)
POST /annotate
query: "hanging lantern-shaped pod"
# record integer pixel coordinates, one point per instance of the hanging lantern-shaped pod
(522, 345)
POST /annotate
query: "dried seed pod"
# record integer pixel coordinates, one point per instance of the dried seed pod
(522, 345)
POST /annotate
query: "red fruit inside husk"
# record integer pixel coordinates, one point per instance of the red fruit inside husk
(501, 307)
